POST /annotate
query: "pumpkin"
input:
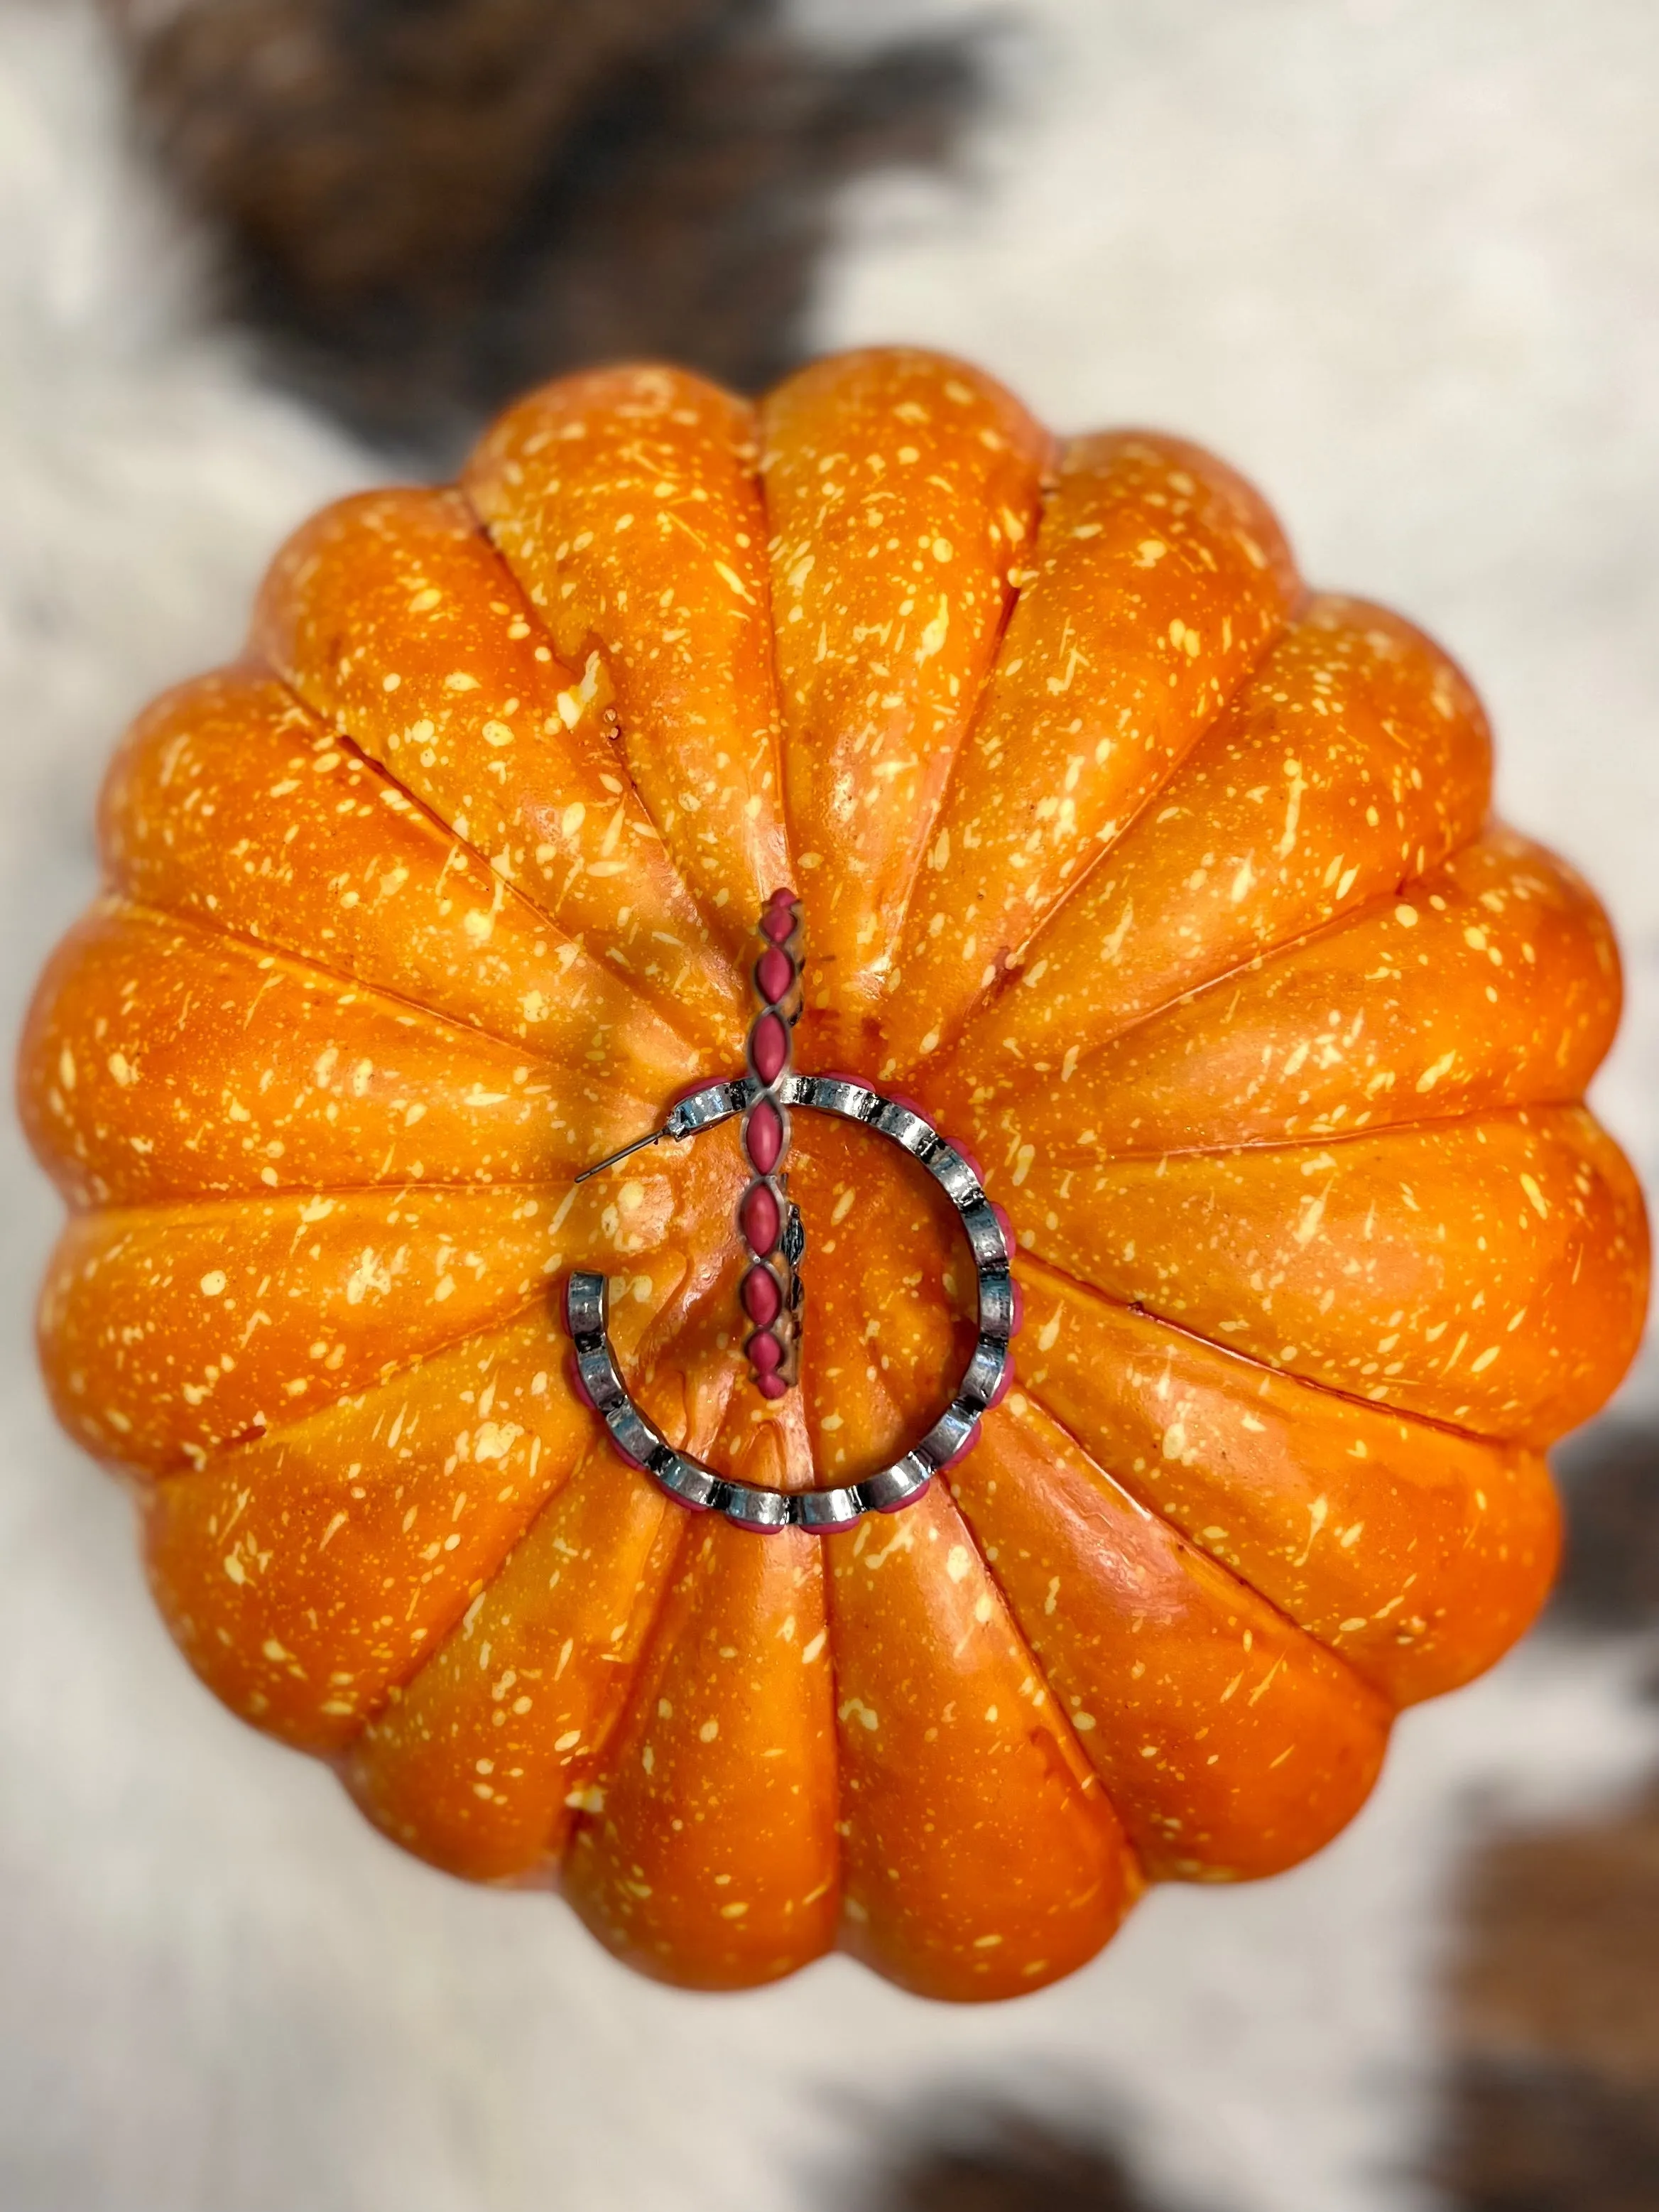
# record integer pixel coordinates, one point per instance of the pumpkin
(1165, 883)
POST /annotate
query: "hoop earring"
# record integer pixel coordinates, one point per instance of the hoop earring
(983, 1383)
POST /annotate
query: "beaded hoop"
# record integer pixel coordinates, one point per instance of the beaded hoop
(987, 1375)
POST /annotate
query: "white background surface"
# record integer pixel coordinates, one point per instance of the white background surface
(1399, 260)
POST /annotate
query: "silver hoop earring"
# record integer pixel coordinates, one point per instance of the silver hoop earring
(770, 1227)
(983, 1383)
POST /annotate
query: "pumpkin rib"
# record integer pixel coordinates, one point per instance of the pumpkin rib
(579, 761)
(302, 1647)
(1544, 1187)
(885, 1273)
(635, 1329)
(413, 1769)
(142, 865)
(919, 859)
(544, 920)
(1079, 1283)
(875, 713)
(879, 1412)
(212, 1457)
(1007, 975)
(319, 1034)
(1356, 1716)
(927, 1881)
(1327, 1140)
(1113, 470)
(664, 1321)
(1009, 982)
(1321, 619)
(1374, 1678)
(649, 1338)
(721, 1742)
(865, 1397)
(1384, 985)
(71, 1314)
(686, 467)
(625, 764)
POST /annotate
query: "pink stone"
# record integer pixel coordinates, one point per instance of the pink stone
(759, 1219)
(774, 972)
(771, 1386)
(969, 1443)
(769, 1047)
(1018, 1321)
(762, 1136)
(972, 1160)
(782, 897)
(578, 1387)
(765, 1352)
(763, 1300)
(1007, 1228)
(778, 923)
(1005, 1386)
(910, 1104)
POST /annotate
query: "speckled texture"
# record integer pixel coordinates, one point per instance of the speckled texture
(1168, 887)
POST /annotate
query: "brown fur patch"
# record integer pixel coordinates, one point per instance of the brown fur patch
(428, 204)
(1553, 2103)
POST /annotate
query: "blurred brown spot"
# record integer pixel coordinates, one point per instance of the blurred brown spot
(1018, 2164)
(1552, 2100)
(1609, 1478)
(428, 204)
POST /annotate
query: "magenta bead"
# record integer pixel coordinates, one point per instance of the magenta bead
(763, 1300)
(782, 896)
(1004, 1387)
(1018, 1321)
(759, 1219)
(778, 923)
(1006, 1226)
(771, 1386)
(774, 972)
(765, 1352)
(972, 1161)
(762, 1136)
(969, 1443)
(910, 1104)
(770, 1047)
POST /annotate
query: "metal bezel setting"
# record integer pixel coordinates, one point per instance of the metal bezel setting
(989, 1371)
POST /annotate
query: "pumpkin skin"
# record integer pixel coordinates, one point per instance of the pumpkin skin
(1165, 884)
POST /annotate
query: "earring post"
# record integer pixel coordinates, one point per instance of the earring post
(655, 1137)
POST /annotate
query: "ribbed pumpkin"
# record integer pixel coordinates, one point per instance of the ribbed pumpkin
(1166, 884)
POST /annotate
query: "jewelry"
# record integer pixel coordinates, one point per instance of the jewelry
(771, 1291)
(775, 1242)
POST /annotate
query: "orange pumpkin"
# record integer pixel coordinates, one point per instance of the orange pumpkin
(1168, 886)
